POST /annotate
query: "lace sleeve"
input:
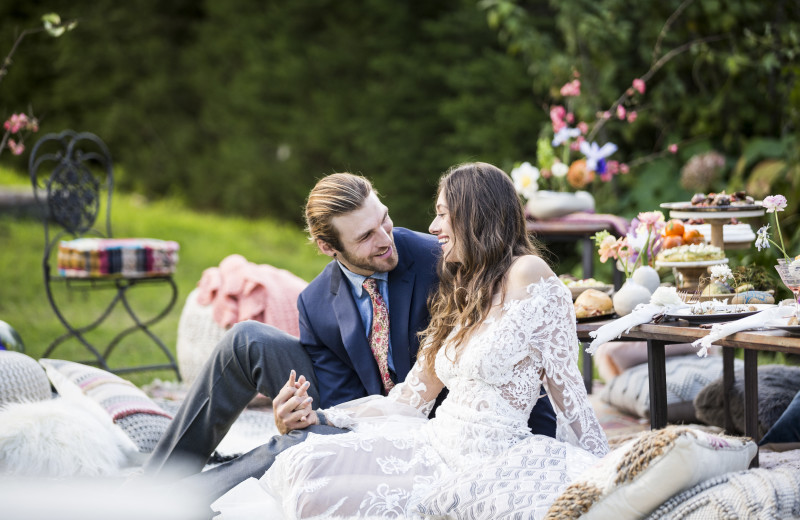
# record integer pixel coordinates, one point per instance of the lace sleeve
(576, 420)
(413, 398)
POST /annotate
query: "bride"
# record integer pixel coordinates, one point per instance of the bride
(502, 325)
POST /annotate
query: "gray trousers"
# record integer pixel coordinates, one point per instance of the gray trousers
(252, 357)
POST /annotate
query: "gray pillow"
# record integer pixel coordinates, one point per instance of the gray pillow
(22, 379)
(777, 386)
(686, 377)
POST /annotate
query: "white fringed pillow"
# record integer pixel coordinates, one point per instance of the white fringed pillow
(634, 479)
(58, 438)
(22, 379)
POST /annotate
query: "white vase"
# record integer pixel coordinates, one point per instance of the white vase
(553, 204)
(629, 296)
(647, 276)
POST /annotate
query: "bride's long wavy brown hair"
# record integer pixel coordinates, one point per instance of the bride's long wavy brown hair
(489, 232)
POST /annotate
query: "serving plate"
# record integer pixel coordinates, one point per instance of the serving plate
(687, 206)
(576, 291)
(781, 324)
(598, 317)
(721, 313)
(698, 263)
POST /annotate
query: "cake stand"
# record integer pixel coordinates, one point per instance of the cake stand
(716, 216)
(687, 274)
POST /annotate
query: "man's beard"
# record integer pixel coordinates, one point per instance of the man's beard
(371, 263)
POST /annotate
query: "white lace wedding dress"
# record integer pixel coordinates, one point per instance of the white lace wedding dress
(396, 463)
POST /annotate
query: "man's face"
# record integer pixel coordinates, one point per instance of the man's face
(366, 238)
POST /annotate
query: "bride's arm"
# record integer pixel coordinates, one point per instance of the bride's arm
(414, 397)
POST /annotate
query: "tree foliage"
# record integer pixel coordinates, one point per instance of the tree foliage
(240, 106)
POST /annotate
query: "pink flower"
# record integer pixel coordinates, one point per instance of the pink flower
(15, 148)
(632, 116)
(606, 175)
(651, 219)
(621, 112)
(624, 168)
(571, 89)
(612, 167)
(15, 123)
(570, 118)
(773, 203)
(673, 148)
(609, 248)
(583, 127)
(606, 115)
(557, 114)
(638, 84)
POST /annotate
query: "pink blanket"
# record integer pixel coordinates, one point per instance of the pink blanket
(240, 290)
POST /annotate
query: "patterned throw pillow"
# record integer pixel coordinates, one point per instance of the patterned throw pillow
(22, 379)
(136, 415)
(636, 478)
(686, 377)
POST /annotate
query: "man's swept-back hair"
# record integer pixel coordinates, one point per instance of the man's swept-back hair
(489, 233)
(334, 195)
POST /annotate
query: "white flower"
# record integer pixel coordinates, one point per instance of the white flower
(526, 178)
(637, 240)
(559, 169)
(762, 238)
(595, 153)
(720, 273)
(666, 296)
(565, 134)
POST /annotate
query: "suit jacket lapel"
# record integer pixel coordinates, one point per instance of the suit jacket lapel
(401, 289)
(353, 334)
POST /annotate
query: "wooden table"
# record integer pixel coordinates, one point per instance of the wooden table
(659, 335)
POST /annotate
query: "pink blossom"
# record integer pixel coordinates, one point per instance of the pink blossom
(612, 167)
(15, 123)
(571, 89)
(606, 115)
(609, 248)
(606, 175)
(773, 203)
(557, 114)
(632, 116)
(650, 219)
(621, 112)
(570, 118)
(673, 148)
(583, 127)
(624, 168)
(15, 148)
(638, 84)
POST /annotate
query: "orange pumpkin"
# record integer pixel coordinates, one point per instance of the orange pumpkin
(692, 236)
(674, 228)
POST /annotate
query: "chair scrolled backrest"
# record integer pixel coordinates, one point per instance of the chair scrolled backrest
(69, 171)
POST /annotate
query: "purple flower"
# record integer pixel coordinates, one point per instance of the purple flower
(774, 203)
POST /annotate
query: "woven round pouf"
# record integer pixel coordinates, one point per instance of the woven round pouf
(22, 379)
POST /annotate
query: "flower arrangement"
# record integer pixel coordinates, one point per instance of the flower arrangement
(639, 247)
(773, 204)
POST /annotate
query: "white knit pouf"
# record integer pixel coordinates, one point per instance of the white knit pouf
(22, 379)
(198, 334)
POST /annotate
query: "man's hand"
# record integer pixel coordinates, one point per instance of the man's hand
(292, 405)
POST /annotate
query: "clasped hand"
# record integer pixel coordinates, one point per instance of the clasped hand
(292, 405)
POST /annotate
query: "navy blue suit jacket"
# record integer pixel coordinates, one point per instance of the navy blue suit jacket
(333, 334)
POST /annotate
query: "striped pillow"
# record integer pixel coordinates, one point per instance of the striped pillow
(139, 418)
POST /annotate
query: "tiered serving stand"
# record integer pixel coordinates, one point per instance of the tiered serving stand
(687, 274)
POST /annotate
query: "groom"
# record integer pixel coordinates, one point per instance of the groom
(334, 353)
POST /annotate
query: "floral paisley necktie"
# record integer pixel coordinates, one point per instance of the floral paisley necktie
(379, 335)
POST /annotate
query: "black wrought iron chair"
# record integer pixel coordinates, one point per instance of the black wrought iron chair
(69, 171)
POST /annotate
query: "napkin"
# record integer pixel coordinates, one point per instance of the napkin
(721, 330)
(643, 313)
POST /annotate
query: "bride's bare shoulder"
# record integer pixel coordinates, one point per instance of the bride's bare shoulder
(526, 270)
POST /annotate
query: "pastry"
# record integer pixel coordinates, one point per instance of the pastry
(592, 302)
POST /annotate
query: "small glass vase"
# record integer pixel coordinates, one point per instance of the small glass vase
(789, 272)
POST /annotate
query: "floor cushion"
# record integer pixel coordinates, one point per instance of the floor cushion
(777, 386)
(634, 479)
(686, 377)
(135, 415)
(22, 379)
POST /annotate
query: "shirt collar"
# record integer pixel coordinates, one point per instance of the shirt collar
(356, 280)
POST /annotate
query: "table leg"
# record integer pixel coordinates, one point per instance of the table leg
(728, 378)
(657, 373)
(588, 370)
(588, 257)
(751, 398)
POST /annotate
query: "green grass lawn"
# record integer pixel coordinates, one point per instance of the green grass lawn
(204, 238)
